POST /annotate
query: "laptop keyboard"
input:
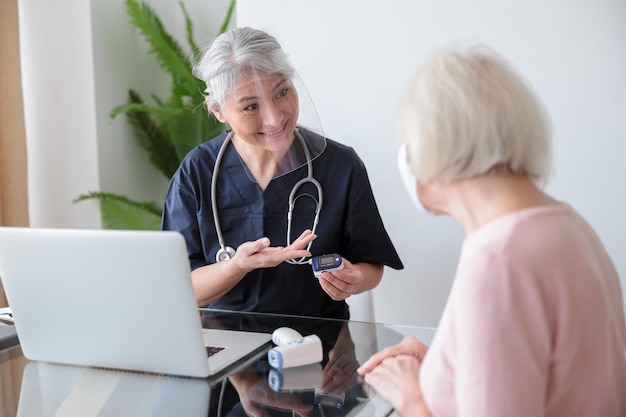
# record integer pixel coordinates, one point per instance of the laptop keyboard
(212, 350)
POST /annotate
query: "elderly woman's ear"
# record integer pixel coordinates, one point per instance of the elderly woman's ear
(217, 112)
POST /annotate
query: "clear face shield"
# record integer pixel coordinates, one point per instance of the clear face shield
(275, 129)
(270, 117)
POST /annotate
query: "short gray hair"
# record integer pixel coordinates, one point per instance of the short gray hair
(235, 53)
(466, 113)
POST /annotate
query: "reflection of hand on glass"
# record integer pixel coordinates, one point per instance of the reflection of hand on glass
(255, 394)
(340, 371)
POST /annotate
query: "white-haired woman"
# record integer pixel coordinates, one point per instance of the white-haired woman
(534, 323)
(258, 187)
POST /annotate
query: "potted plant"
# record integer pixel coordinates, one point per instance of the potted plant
(166, 130)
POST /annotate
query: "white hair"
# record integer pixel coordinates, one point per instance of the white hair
(237, 53)
(466, 113)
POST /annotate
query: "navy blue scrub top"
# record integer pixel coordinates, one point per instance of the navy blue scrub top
(349, 224)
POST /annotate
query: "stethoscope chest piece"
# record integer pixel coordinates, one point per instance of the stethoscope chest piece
(224, 254)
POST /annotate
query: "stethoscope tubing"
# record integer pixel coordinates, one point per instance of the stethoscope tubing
(226, 252)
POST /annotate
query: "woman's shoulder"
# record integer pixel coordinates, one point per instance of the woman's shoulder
(334, 150)
(339, 153)
(314, 139)
(200, 160)
(341, 148)
(210, 147)
(204, 152)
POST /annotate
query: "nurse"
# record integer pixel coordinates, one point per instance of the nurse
(233, 191)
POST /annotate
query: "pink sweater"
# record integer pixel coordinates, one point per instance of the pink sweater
(534, 324)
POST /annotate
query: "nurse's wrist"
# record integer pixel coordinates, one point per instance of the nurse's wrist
(233, 269)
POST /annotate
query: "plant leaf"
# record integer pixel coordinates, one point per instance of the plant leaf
(119, 212)
(167, 130)
(168, 52)
(229, 15)
(189, 25)
(153, 138)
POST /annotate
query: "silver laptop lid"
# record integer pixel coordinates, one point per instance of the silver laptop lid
(104, 298)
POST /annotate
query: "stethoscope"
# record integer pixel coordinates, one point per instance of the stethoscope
(226, 252)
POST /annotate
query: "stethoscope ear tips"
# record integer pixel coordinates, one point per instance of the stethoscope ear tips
(224, 254)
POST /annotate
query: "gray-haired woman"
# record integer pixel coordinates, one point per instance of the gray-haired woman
(534, 324)
(259, 187)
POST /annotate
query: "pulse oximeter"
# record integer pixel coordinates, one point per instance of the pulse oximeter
(325, 263)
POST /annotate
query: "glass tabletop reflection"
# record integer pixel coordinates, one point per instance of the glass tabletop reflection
(253, 387)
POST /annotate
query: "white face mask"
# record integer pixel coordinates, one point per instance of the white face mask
(409, 180)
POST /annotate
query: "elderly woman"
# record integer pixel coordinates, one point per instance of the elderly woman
(534, 323)
(261, 184)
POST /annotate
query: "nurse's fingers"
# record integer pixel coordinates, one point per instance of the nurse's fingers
(257, 245)
(302, 241)
(331, 289)
(259, 253)
(251, 248)
(340, 285)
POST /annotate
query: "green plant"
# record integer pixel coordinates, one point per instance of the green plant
(166, 130)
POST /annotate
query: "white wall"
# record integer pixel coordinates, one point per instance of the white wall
(79, 58)
(356, 56)
(59, 95)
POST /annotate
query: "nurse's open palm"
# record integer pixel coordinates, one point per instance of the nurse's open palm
(259, 253)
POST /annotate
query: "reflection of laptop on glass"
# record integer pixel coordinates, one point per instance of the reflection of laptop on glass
(50, 390)
(8, 336)
(112, 299)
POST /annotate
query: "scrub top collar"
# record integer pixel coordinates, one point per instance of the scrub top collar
(295, 157)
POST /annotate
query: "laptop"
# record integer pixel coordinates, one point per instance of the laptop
(114, 299)
(51, 390)
(8, 336)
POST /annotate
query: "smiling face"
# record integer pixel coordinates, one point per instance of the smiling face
(262, 112)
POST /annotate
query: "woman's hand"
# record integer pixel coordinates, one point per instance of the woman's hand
(397, 380)
(211, 282)
(394, 374)
(352, 279)
(409, 346)
(259, 253)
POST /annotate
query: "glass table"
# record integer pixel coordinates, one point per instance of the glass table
(330, 388)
